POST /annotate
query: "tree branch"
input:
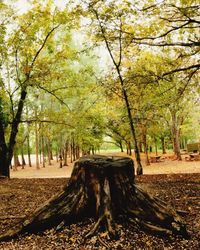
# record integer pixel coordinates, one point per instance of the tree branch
(54, 95)
(41, 47)
(46, 121)
(195, 66)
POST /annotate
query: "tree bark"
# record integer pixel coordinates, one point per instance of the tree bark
(49, 151)
(43, 150)
(22, 157)
(121, 146)
(146, 150)
(66, 153)
(176, 137)
(28, 149)
(156, 146)
(16, 160)
(163, 144)
(6, 151)
(144, 139)
(4, 170)
(103, 188)
(37, 146)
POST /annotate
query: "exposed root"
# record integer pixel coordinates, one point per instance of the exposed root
(95, 228)
(103, 243)
(10, 217)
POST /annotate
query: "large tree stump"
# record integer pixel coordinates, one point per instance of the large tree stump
(103, 187)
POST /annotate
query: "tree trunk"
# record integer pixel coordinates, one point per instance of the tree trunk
(43, 151)
(137, 153)
(129, 152)
(103, 187)
(146, 149)
(121, 146)
(144, 140)
(163, 144)
(49, 151)
(77, 152)
(176, 137)
(28, 150)
(124, 92)
(6, 151)
(71, 152)
(22, 157)
(140, 147)
(36, 146)
(65, 153)
(73, 149)
(16, 161)
(60, 160)
(156, 146)
(4, 169)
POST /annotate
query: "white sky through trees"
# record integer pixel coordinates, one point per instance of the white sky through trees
(23, 5)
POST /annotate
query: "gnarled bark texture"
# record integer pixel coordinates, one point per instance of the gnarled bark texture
(103, 187)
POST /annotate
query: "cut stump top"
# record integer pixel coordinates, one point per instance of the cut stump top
(107, 164)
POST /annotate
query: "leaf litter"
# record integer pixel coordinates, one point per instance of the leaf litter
(20, 197)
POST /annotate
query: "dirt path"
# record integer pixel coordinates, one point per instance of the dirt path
(54, 171)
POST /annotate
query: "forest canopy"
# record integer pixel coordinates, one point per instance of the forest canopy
(75, 73)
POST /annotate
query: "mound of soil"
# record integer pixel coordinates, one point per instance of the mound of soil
(20, 197)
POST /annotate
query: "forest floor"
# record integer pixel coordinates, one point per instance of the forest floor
(177, 183)
(20, 197)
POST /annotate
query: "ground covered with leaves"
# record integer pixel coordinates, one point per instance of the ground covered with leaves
(20, 197)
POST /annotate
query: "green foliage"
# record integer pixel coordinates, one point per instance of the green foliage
(55, 57)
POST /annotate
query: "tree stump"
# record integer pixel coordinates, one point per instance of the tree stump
(102, 187)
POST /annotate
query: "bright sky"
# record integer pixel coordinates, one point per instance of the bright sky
(23, 5)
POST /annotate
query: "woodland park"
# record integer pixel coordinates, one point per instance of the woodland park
(99, 124)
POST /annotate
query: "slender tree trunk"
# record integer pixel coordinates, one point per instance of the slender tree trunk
(57, 155)
(144, 135)
(121, 146)
(156, 146)
(22, 157)
(16, 161)
(77, 152)
(71, 151)
(43, 151)
(176, 137)
(40, 149)
(93, 150)
(28, 141)
(185, 143)
(60, 159)
(49, 151)
(163, 144)
(129, 148)
(65, 153)
(137, 153)
(140, 147)
(37, 146)
(28, 149)
(124, 92)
